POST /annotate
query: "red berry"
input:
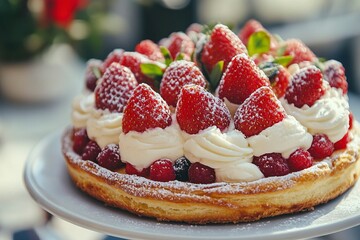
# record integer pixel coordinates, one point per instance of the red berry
(342, 143)
(300, 52)
(90, 77)
(249, 28)
(109, 157)
(199, 173)
(80, 139)
(130, 169)
(113, 57)
(272, 164)
(150, 49)
(162, 171)
(177, 75)
(334, 73)
(306, 87)
(198, 109)
(279, 77)
(194, 27)
(91, 151)
(351, 120)
(241, 78)
(223, 45)
(133, 61)
(115, 88)
(179, 42)
(145, 110)
(260, 111)
(321, 146)
(299, 160)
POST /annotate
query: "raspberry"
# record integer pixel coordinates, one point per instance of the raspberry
(162, 171)
(334, 73)
(199, 173)
(80, 139)
(109, 157)
(91, 151)
(342, 143)
(181, 167)
(272, 164)
(321, 146)
(130, 169)
(299, 160)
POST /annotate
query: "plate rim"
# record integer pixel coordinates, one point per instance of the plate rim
(76, 218)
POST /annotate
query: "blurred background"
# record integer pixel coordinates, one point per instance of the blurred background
(44, 45)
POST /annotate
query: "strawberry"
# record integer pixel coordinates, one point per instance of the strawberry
(177, 75)
(241, 78)
(115, 88)
(279, 77)
(179, 42)
(194, 27)
(222, 45)
(334, 73)
(306, 87)
(133, 60)
(300, 52)
(145, 110)
(259, 111)
(114, 56)
(198, 109)
(150, 49)
(249, 28)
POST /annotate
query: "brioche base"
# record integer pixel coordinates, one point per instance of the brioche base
(217, 202)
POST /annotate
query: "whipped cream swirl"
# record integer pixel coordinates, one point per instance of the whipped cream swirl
(224, 152)
(142, 149)
(283, 137)
(82, 107)
(104, 127)
(328, 115)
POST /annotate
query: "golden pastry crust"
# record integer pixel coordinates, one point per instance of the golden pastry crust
(218, 202)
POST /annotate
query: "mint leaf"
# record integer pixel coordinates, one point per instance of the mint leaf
(283, 60)
(166, 53)
(96, 71)
(215, 74)
(151, 70)
(259, 42)
(180, 56)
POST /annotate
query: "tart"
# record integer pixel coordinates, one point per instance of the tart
(238, 134)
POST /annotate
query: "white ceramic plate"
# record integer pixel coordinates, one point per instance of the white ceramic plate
(49, 184)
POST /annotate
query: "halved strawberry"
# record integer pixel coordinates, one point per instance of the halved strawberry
(279, 77)
(334, 73)
(179, 42)
(133, 60)
(145, 110)
(150, 49)
(177, 75)
(198, 109)
(113, 56)
(115, 88)
(261, 110)
(306, 87)
(241, 78)
(249, 28)
(300, 52)
(222, 45)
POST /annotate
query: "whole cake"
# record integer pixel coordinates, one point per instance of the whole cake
(212, 127)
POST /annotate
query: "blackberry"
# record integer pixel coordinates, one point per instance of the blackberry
(181, 168)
